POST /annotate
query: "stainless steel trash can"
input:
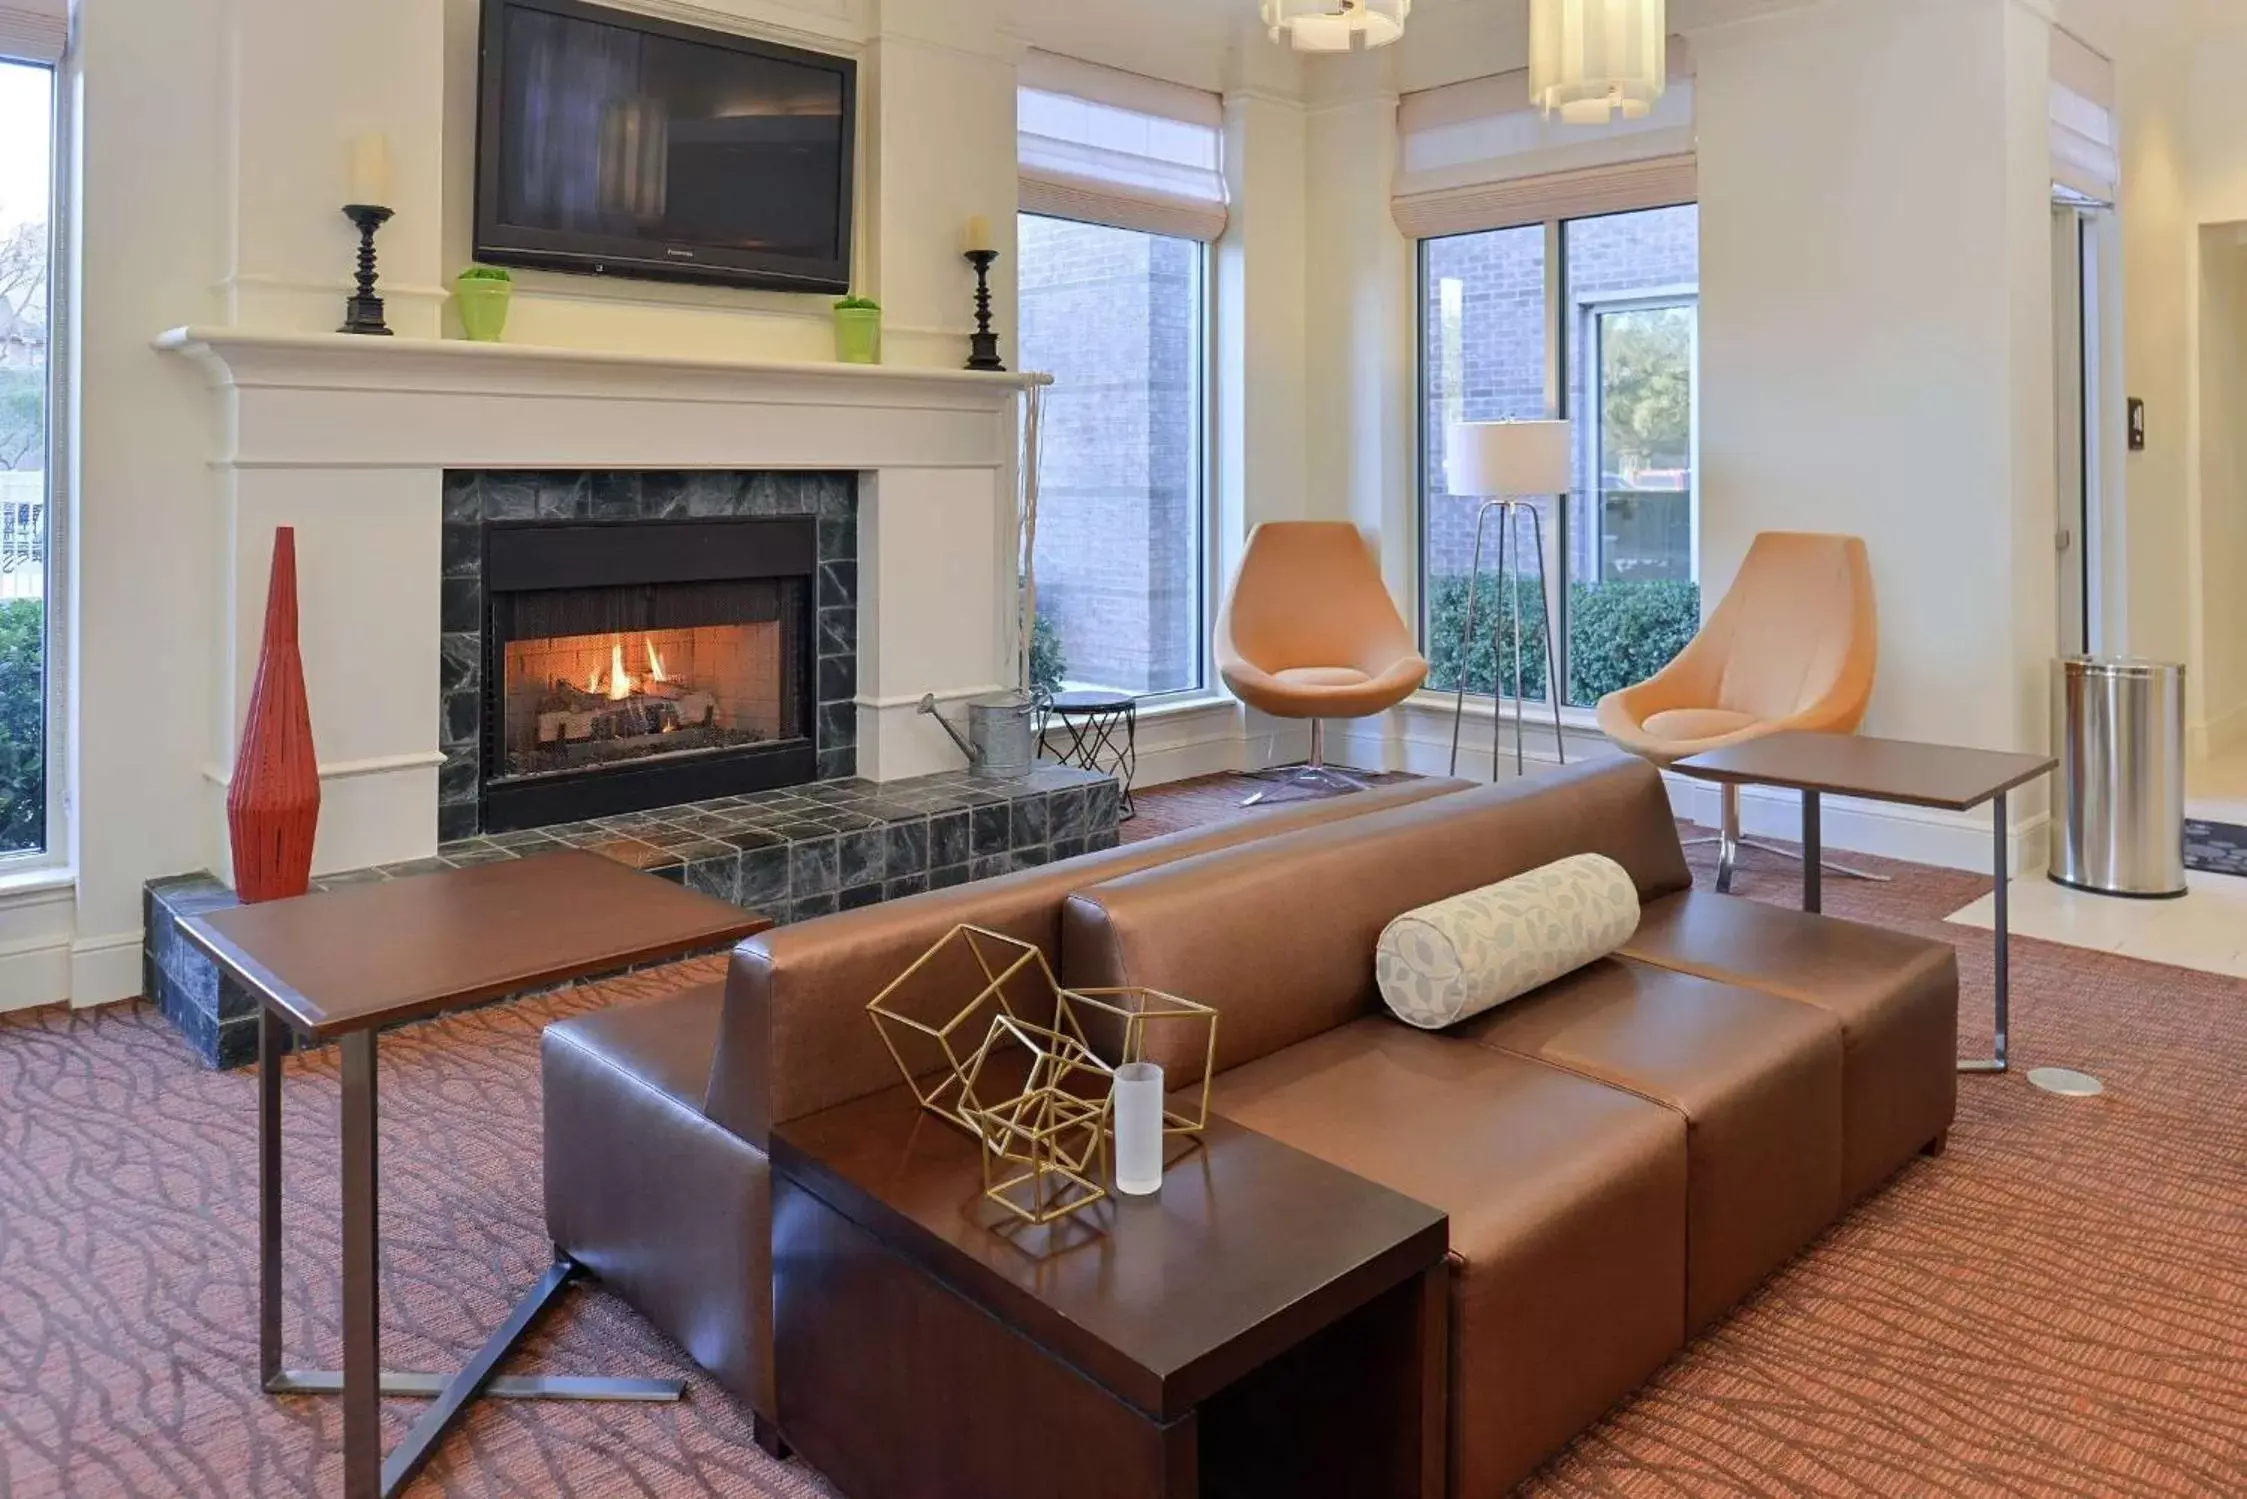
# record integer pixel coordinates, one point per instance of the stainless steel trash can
(2118, 727)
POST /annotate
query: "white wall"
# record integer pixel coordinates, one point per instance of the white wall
(1875, 283)
(2220, 559)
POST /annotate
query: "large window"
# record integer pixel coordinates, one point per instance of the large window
(27, 177)
(1115, 315)
(1594, 319)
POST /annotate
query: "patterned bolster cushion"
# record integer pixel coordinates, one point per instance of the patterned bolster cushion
(1448, 962)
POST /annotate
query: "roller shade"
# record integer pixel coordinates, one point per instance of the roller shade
(1116, 148)
(34, 30)
(2086, 148)
(1477, 155)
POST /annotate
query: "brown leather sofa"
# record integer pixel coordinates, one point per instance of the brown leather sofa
(657, 1116)
(1623, 1155)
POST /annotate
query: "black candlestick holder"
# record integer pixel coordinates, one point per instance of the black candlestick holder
(983, 345)
(363, 313)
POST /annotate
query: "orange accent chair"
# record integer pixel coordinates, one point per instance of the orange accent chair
(1793, 645)
(1309, 631)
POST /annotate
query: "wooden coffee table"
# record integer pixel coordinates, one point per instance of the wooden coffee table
(1266, 1324)
(1887, 770)
(343, 965)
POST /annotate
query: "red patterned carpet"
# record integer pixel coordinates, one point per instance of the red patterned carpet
(2056, 1307)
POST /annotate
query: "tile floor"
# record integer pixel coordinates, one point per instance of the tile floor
(2205, 930)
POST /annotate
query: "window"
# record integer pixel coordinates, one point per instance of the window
(1123, 191)
(27, 189)
(1597, 319)
(1115, 315)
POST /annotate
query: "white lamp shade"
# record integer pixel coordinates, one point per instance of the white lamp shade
(1591, 60)
(1510, 458)
(1336, 25)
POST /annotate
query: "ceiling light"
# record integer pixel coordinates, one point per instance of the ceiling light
(1592, 60)
(1336, 25)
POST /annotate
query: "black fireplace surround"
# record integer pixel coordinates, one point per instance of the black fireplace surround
(628, 582)
(593, 562)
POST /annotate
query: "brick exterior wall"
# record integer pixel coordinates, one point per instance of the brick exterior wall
(1483, 306)
(1112, 315)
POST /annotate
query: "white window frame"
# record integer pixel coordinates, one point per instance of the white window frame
(1564, 314)
(1203, 402)
(41, 868)
(1588, 312)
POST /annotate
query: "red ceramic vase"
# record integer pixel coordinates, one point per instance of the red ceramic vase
(273, 805)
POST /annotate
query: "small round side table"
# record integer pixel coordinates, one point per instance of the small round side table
(1096, 731)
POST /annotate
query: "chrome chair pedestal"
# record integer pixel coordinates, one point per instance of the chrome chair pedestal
(1315, 775)
(1729, 842)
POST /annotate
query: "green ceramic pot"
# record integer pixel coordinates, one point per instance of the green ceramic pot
(858, 335)
(483, 307)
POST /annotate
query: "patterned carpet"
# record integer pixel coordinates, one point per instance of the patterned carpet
(2057, 1306)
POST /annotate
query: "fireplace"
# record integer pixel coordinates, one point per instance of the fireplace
(640, 664)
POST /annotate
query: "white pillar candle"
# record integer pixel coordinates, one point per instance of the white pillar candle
(370, 171)
(1139, 1128)
(978, 234)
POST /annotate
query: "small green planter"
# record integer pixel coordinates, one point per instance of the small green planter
(483, 294)
(858, 331)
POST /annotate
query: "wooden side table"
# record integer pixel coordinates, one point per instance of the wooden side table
(1265, 1324)
(1888, 770)
(343, 965)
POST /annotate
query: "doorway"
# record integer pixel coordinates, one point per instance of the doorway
(2079, 358)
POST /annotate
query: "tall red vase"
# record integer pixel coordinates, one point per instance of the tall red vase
(273, 805)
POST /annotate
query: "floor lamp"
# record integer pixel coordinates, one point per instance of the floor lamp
(1509, 462)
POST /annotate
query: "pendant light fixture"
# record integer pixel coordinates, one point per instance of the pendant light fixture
(1592, 60)
(1336, 25)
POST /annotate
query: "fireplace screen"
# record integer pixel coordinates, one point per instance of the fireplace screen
(597, 676)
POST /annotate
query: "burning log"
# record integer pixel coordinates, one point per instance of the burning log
(570, 713)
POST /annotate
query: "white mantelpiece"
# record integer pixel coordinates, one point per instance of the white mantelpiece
(348, 439)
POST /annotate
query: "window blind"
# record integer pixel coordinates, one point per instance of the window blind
(2086, 147)
(1116, 148)
(1478, 155)
(34, 30)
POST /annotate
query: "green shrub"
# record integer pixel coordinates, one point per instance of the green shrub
(1619, 634)
(486, 273)
(23, 781)
(1049, 664)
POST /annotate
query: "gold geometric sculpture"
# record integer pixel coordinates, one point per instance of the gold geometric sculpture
(1112, 1024)
(1045, 1148)
(921, 1013)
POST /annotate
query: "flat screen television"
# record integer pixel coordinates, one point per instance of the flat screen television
(613, 143)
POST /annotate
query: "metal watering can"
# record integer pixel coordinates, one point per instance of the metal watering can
(1001, 742)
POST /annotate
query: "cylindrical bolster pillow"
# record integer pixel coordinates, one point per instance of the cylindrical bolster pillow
(1445, 963)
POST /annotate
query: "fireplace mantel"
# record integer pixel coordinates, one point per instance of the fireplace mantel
(466, 405)
(349, 439)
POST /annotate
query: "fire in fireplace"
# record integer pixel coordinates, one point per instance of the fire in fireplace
(641, 665)
(580, 700)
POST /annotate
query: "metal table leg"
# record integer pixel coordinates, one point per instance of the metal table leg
(2001, 957)
(1813, 850)
(362, 1321)
(363, 1381)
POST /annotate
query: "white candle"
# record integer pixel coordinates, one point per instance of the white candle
(979, 234)
(370, 171)
(1139, 1128)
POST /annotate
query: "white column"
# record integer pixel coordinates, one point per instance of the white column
(1876, 332)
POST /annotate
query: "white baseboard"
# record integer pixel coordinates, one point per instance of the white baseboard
(104, 970)
(1915, 835)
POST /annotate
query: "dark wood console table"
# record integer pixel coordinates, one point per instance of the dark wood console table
(343, 965)
(1266, 1324)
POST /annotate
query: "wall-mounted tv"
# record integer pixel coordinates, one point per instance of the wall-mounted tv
(615, 143)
